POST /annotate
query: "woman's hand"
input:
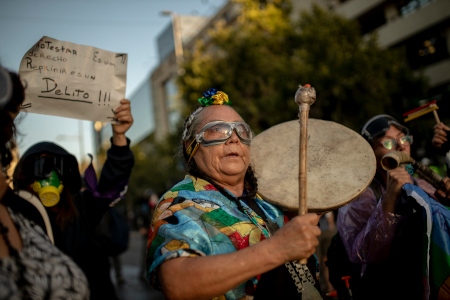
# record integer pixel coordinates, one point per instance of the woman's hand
(396, 178)
(297, 239)
(440, 135)
(443, 192)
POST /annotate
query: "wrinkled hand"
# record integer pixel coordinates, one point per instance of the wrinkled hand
(396, 178)
(124, 118)
(443, 193)
(298, 238)
(440, 135)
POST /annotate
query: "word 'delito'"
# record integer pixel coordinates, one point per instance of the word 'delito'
(72, 94)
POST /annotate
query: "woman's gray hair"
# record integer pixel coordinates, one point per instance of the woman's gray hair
(189, 124)
(189, 127)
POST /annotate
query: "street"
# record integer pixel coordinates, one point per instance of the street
(134, 287)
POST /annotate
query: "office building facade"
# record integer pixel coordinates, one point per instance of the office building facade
(421, 26)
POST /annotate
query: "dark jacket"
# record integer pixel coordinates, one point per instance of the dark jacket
(91, 203)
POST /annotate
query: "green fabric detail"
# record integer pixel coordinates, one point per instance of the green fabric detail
(186, 187)
(439, 272)
(158, 240)
(219, 218)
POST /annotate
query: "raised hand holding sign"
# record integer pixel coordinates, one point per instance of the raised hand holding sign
(74, 81)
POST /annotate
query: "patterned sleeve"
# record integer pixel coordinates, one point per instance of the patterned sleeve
(194, 219)
(172, 233)
(188, 227)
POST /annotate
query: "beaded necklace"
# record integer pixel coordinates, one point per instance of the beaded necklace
(266, 226)
(303, 279)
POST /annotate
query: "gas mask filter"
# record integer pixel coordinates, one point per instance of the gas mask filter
(49, 189)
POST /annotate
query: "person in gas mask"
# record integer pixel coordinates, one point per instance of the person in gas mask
(31, 267)
(49, 172)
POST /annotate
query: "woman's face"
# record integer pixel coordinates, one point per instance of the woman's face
(380, 151)
(226, 161)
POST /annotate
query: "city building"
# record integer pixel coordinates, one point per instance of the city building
(166, 103)
(421, 26)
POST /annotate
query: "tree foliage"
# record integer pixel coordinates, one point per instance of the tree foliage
(157, 167)
(260, 60)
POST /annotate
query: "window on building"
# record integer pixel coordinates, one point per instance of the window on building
(427, 49)
(173, 104)
(408, 7)
(372, 20)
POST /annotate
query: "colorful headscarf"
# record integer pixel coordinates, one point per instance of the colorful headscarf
(210, 97)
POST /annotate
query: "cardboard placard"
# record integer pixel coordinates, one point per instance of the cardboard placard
(74, 81)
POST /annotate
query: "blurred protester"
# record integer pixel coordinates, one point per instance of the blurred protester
(51, 173)
(111, 239)
(328, 228)
(147, 206)
(117, 267)
(441, 143)
(395, 233)
(31, 267)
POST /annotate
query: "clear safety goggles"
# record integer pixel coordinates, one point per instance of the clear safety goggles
(218, 132)
(390, 144)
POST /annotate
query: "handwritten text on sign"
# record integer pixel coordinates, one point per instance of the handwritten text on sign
(71, 80)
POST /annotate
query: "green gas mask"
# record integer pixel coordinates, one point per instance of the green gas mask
(49, 189)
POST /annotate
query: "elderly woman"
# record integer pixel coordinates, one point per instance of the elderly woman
(200, 224)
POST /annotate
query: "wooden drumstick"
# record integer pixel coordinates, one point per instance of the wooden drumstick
(304, 97)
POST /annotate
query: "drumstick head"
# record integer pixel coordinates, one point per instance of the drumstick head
(305, 95)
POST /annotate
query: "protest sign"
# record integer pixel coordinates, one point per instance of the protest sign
(74, 81)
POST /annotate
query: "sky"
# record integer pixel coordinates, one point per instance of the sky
(130, 27)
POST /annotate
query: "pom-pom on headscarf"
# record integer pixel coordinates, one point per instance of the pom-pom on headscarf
(210, 97)
(214, 97)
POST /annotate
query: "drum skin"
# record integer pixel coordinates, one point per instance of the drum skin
(340, 165)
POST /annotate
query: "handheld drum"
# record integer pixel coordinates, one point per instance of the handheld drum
(341, 165)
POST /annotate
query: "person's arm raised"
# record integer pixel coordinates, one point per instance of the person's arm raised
(125, 119)
(210, 276)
